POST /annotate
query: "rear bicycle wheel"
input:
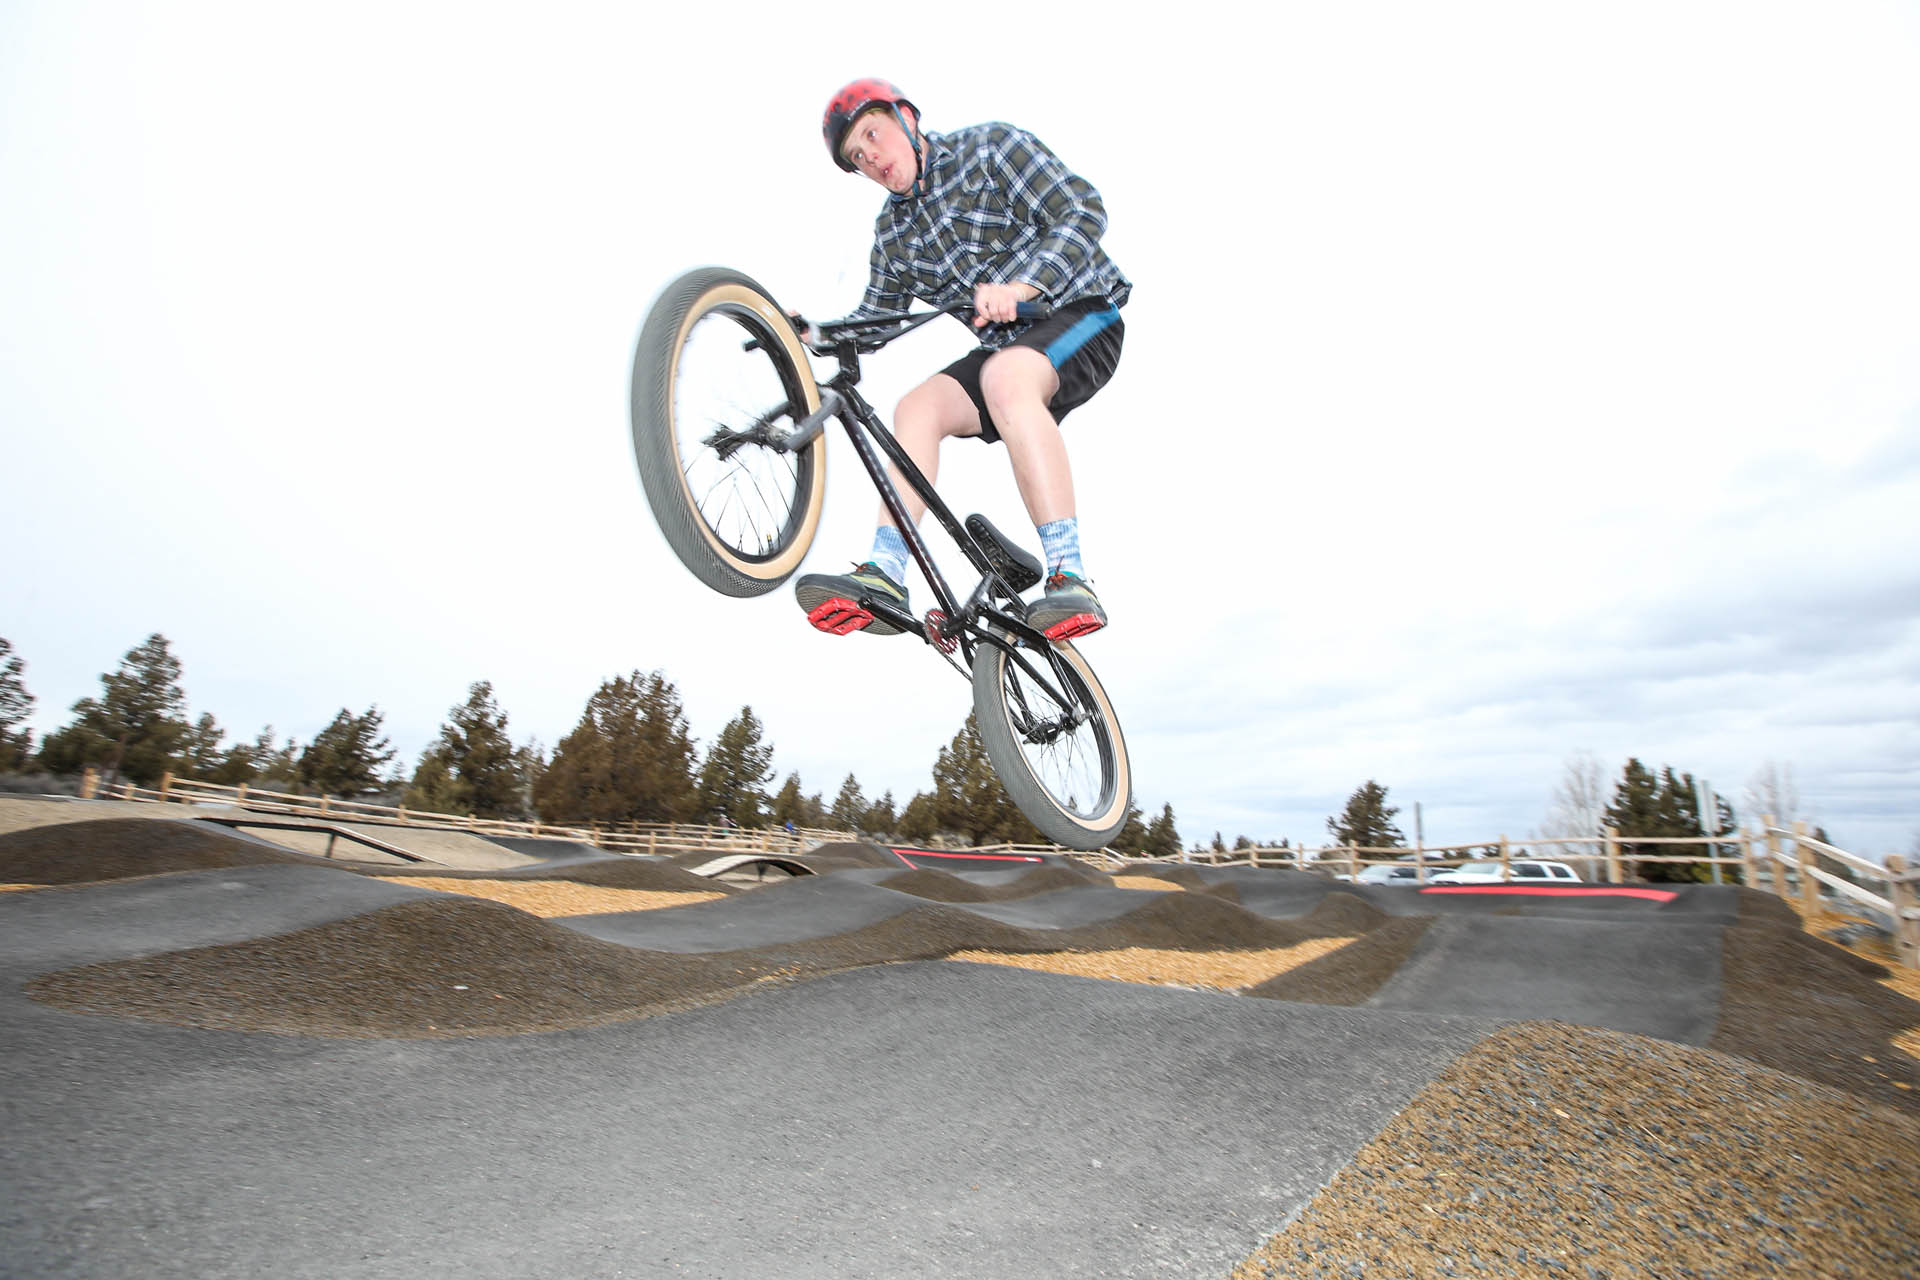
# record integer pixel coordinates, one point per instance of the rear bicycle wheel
(718, 366)
(1056, 746)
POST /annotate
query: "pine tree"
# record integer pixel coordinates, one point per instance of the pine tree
(1367, 820)
(850, 807)
(733, 778)
(630, 759)
(16, 704)
(1163, 838)
(919, 820)
(969, 798)
(473, 766)
(1132, 839)
(787, 806)
(200, 754)
(881, 819)
(275, 768)
(1667, 805)
(345, 758)
(134, 727)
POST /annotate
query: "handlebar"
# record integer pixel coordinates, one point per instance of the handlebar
(836, 333)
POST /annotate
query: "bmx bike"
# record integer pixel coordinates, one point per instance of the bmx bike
(729, 430)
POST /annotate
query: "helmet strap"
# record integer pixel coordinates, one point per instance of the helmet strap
(919, 160)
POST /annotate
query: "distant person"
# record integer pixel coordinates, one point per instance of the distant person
(984, 214)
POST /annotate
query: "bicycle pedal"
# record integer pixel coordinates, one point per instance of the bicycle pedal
(838, 616)
(1011, 561)
(937, 636)
(1080, 624)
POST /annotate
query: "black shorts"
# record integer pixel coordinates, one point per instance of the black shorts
(1081, 340)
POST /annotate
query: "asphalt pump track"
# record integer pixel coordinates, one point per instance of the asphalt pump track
(223, 1070)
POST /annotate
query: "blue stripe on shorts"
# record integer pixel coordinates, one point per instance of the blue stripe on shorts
(1062, 348)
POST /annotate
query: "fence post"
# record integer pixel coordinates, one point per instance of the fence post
(89, 783)
(1906, 929)
(1613, 855)
(166, 785)
(1809, 887)
(653, 843)
(1775, 869)
(1353, 859)
(1506, 860)
(240, 796)
(1747, 871)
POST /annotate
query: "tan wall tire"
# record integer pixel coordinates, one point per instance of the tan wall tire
(698, 518)
(1102, 791)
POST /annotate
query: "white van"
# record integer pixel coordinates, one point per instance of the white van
(1525, 871)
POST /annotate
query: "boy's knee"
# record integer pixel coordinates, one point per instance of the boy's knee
(1017, 375)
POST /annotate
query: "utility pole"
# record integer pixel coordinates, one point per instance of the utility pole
(1709, 819)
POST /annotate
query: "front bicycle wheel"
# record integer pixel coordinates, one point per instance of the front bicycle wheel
(1055, 741)
(717, 369)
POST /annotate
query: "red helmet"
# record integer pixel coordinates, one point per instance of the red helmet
(845, 107)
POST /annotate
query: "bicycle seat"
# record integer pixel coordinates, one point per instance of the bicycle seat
(1010, 560)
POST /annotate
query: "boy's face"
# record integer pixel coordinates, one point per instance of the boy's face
(877, 147)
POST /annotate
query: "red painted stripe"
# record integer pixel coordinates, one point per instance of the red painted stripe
(989, 857)
(1552, 891)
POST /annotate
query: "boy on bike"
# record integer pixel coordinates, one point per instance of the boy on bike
(985, 214)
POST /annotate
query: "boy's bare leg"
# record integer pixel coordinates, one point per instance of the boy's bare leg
(1017, 384)
(926, 416)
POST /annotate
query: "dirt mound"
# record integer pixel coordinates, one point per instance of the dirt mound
(1758, 907)
(850, 853)
(942, 886)
(118, 848)
(655, 876)
(437, 967)
(1351, 975)
(1799, 1004)
(1346, 913)
(1663, 1159)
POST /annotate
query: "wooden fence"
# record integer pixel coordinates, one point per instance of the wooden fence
(624, 837)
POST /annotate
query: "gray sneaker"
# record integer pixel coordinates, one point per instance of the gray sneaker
(832, 600)
(1069, 609)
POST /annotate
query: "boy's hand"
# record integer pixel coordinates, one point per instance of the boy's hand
(809, 336)
(994, 303)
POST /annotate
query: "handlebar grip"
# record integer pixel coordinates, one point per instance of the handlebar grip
(1032, 310)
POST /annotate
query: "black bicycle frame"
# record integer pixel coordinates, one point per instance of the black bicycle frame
(871, 438)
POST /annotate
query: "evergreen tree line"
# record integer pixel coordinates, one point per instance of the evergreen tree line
(632, 757)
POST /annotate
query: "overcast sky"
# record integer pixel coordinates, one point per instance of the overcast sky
(1502, 381)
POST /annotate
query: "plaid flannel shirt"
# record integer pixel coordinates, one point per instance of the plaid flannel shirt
(1002, 209)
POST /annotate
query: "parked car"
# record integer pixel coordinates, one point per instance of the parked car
(1525, 871)
(1387, 875)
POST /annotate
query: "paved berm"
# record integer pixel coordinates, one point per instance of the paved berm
(227, 1057)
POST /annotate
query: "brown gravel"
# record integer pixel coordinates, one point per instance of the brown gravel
(1552, 1150)
(552, 898)
(1157, 966)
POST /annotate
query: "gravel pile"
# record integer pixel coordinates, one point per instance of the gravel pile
(1557, 1151)
(118, 848)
